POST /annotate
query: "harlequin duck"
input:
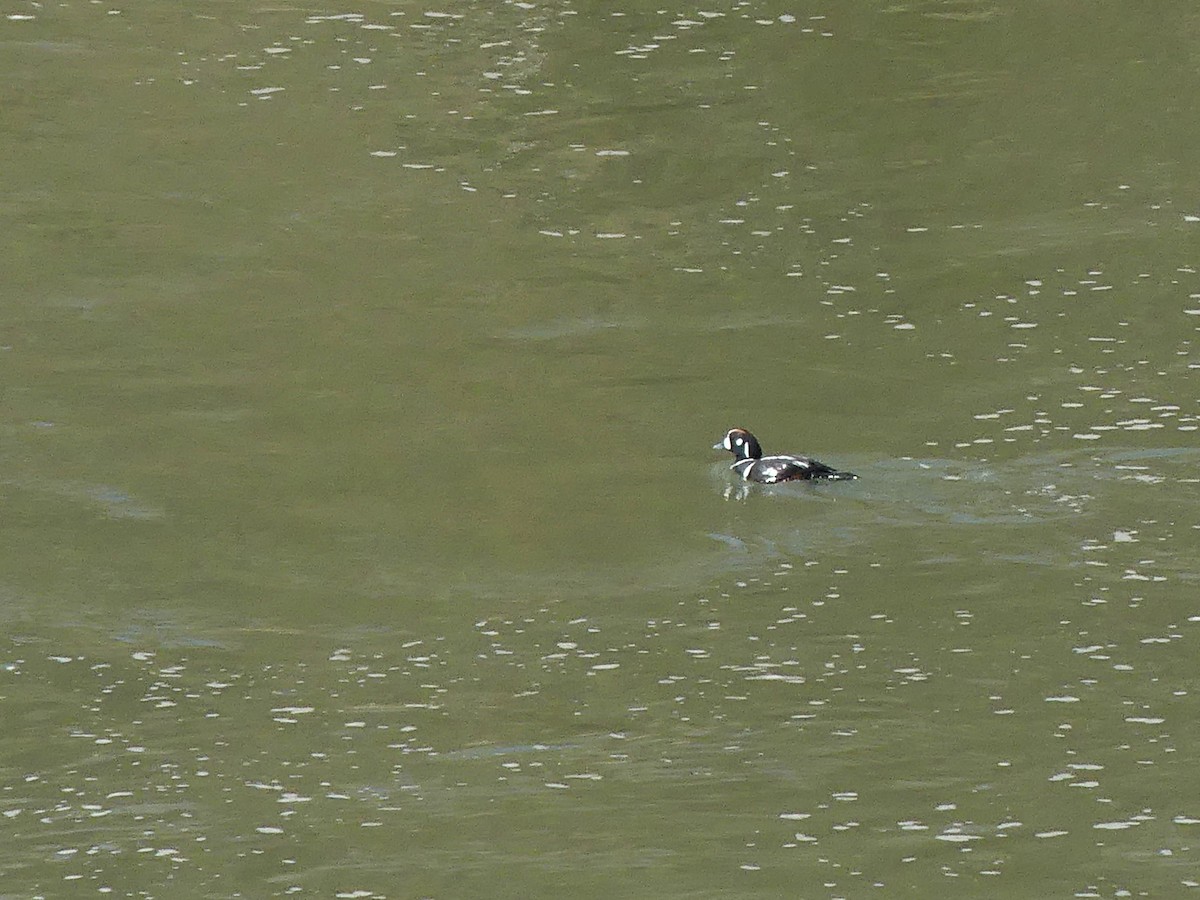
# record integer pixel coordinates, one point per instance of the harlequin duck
(750, 463)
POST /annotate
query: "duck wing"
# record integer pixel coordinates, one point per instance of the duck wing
(773, 469)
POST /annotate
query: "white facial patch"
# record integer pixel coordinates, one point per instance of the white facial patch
(728, 445)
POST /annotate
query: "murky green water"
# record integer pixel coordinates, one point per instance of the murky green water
(358, 370)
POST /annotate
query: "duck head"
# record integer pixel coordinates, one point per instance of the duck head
(741, 443)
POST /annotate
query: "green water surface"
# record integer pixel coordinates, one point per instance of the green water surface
(359, 531)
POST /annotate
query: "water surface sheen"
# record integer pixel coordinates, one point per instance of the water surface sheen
(361, 536)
